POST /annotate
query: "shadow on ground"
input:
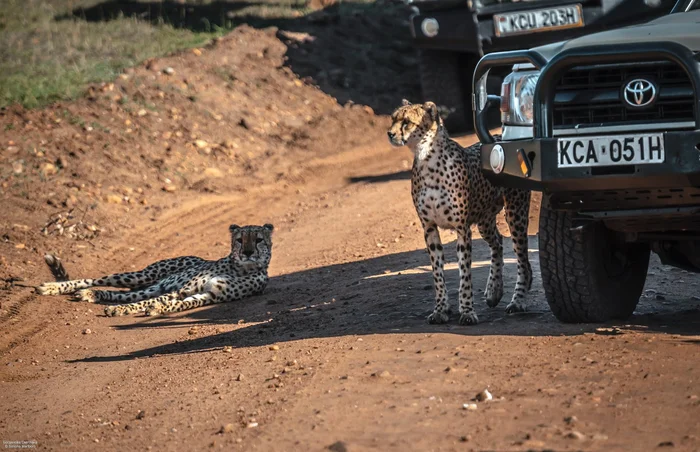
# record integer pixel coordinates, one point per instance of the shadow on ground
(382, 295)
(355, 51)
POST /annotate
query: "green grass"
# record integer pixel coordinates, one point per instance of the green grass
(46, 60)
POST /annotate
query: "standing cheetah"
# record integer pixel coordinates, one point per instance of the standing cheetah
(449, 191)
(178, 284)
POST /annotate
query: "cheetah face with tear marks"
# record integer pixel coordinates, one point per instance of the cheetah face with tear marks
(251, 246)
(410, 123)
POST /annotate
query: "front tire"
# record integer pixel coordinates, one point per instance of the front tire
(444, 82)
(589, 275)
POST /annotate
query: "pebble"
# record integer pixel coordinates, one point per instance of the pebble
(252, 425)
(469, 406)
(483, 396)
(571, 420)
(274, 347)
(169, 71)
(239, 377)
(87, 331)
(666, 444)
(382, 374)
(228, 428)
(338, 446)
(228, 349)
(141, 414)
(574, 435)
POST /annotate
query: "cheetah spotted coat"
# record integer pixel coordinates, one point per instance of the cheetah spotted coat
(450, 192)
(181, 283)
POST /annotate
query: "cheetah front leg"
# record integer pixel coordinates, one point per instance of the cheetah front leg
(467, 315)
(517, 211)
(140, 306)
(494, 285)
(219, 289)
(115, 296)
(437, 259)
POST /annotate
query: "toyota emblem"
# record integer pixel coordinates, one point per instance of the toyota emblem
(639, 93)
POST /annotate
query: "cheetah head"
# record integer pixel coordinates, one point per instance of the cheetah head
(251, 246)
(410, 123)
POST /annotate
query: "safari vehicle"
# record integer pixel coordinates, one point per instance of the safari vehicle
(607, 127)
(451, 36)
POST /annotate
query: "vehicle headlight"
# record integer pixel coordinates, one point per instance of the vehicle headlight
(517, 96)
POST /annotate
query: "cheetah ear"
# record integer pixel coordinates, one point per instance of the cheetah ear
(269, 227)
(432, 109)
(233, 227)
(405, 102)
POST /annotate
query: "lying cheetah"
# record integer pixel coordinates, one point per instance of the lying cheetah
(449, 191)
(178, 284)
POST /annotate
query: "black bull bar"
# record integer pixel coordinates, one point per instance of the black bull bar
(550, 71)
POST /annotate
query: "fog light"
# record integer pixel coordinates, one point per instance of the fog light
(497, 159)
(430, 27)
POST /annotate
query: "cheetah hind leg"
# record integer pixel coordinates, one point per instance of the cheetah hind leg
(494, 284)
(517, 211)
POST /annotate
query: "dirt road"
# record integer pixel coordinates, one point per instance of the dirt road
(336, 354)
(337, 351)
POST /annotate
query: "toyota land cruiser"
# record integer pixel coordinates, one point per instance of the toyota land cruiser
(607, 127)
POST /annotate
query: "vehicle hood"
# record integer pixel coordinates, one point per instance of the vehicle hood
(682, 28)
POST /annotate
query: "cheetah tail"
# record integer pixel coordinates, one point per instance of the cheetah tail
(56, 266)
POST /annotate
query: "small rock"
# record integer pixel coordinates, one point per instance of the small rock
(142, 112)
(274, 347)
(113, 199)
(17, 167)
(87, 331)
(252, 425)
(666, 444)
(197, 52)
(201, 144)
(483, 396)
(599, 437)
(20, 246)
(571, 420)
(169, 188)
(469, 406)
(574, 435)
(214, 173)
(169, 71)
(228, 428)
(338, 446)
(141, 414)
(228, 349)
(239, 377)
(382, 374)
(48, 169)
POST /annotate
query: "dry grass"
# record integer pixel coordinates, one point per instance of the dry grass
(46, 59)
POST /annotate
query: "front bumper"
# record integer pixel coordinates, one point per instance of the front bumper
(651, 197)
(680, 169)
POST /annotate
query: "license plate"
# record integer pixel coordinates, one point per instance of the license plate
(613, 150)
(534, 20)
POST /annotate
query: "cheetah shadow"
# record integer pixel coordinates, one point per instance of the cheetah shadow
(387, 294)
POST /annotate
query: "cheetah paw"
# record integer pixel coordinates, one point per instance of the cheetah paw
(468, 318)
(154, 310)
(113, 311)
(493, 296)
(515, 306)
(86, 295)
(48, 288)
(437, 318)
